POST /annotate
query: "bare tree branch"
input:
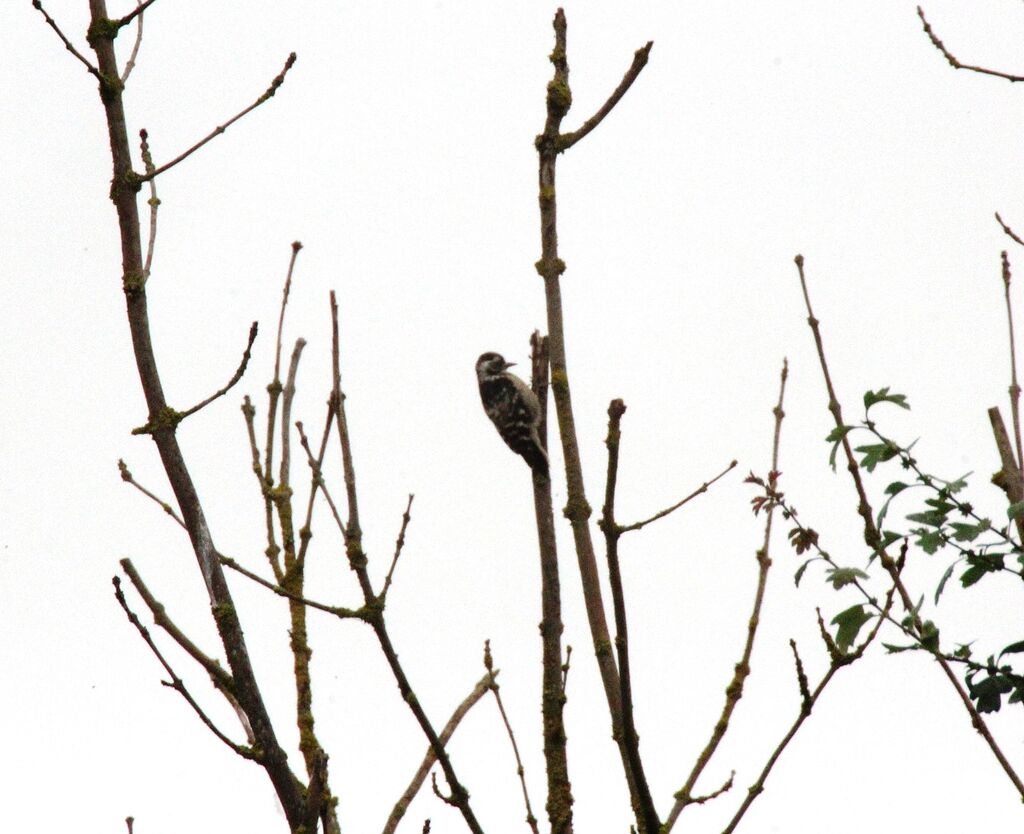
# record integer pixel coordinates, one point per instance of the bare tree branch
(399, 544)
(176, 683)
(459, 796)
(336, 610)
(154, 201)
(699, 491)
(136, 12)
(556, 755)
(67, 44)
(130, 63)
(246, 354)
(567, 140)
(643, 807)
(953, 62)
(550, 143)
(127, 477)
(531, 820)
(1008, 231)
(734, 691)
(217, 131)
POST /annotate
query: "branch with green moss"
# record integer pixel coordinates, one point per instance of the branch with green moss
(550, 143)
(162, 420)
(559, 799)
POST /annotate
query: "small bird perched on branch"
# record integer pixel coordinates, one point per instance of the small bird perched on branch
(513, 408)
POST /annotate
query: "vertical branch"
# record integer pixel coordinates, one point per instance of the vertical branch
(123, 193)
(734, 691)
(550, 267)
(1014, 386)
(559, 802)
(643, 806)
(374, 604)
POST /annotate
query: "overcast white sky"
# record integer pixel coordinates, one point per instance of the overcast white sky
(400, 153)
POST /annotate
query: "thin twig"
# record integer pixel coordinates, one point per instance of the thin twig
(176, 683)
(284, 471)
(481, 689)
(734, 691)
(130, 63)
(67, 44)
(399, 544)
(699, 491)
(130, 822)
(725, 786)
(272, 550)
(221, 679)
(239, 371)
(285, 293)
(807, 702)
(128, 478)
(874, 540)
(953, 62)
(352, 533)
(316, 480)
(1014, 385)
(567, 140)
(531, 820)
(136, 12)
(153, 201)
(1008, 231)
(643, 803)
(217, 131)
(336, 610)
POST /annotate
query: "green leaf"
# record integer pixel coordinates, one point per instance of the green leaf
(876, 453)
(1015, 510)
(850, 623)
(943, 581)
(959, 484)
(835, 437)
(891, 649)
(930, 541)
(882, 395)
(896, 487)
(988, 693)
(800, 572)
(890, 536)
(972, 575)
(933, 518)
(969, 532)
(1013, 648)
(838, 433)
(840, 577)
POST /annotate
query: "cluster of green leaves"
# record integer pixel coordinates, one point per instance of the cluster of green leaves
(944, 522)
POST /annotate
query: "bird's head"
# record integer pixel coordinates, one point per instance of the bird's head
(491, 365)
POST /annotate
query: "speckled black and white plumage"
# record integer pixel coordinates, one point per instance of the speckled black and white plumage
(513, 408)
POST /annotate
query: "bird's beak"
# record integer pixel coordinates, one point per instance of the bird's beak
(509, 364)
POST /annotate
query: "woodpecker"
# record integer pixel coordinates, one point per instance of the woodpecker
(513, 408)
